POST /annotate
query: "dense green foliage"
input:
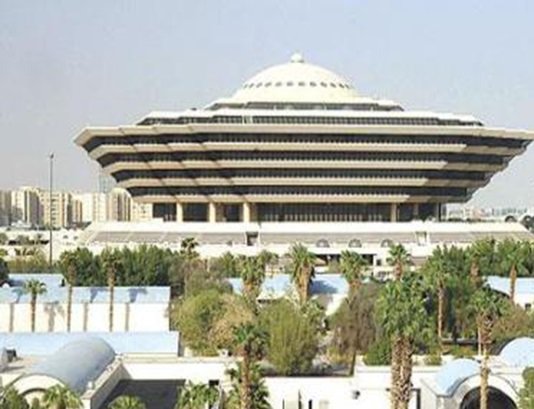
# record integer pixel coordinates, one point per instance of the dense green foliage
(526, 394)
(292, 337)
(378, 353)
(206, 320)
(11, 399)
(258, 389)
(353, 325)
(127, 402)
(196, 396)
(61, 397)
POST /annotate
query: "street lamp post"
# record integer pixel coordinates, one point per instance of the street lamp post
(50, 200)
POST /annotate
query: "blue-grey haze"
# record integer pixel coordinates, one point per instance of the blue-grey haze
(68, 64)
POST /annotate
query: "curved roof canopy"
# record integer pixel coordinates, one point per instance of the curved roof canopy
(296, 81)
(77, 363)
(452, 374)
(519, 352)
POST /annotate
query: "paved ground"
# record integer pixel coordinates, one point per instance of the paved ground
(155, 394)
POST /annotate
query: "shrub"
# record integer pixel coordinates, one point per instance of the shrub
(379, 353)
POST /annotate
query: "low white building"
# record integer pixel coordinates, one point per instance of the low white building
(100, 368)
(136, 309)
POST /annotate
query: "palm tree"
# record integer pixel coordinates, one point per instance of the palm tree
(302, 271)
(35, 288)
(188, 248)
(267, 259)
(253, 274)
(250, 344)
(127, 402)
(352, 266)
(61, 397)
(511, 253)
(196, 396)
(70, 264)
(398, 259)
(111, 263)
(259, 392)
(401, 313)
(482, 257)
(488, 308)
(438, 272)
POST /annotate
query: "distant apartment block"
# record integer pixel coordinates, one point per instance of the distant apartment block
(33, 206)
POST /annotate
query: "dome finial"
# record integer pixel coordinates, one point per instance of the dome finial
(297, 57)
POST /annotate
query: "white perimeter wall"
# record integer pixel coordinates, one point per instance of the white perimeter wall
(85, 317)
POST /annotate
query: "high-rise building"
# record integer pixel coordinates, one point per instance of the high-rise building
(297, 143)
(5, 208)
(58, 212)
(26, 206)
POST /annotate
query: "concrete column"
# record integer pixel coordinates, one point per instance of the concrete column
(212, 212)
(393, 212)
(246, 212)
(416, 210)
(437, 211)
(179, 212)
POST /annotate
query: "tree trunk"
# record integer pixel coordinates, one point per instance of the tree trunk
(33, 307)
(246, 399)
(441, 300)
(69, 306)
(111, 285)
(513, 279)
(396, 364)
(484, 375)
(398, 271)
(474, 271)
(405, 392)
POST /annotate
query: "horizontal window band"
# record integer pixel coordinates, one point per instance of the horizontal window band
(97, 141)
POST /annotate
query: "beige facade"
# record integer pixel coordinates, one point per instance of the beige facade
(297, 143)
(26, 206)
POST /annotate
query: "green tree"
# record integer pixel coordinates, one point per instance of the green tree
(61, 397)
(127, 402)
(258, 391)
(197, 396)
(438, 272)
(404, 321)
(511, 255)
(35, 288)
(252, 273)
(302, 270)
(188, 247)
(399, 259)
(196, 316)
(352, 267)
(250, 344)
(11, 399)
(4, 270)
(3, 239)
(292, 340)
(353, 325)
(483, 258)
(226, 265)
(69, 265)
(268, 259)
(488, 307)
(526, 394)
(111, 262)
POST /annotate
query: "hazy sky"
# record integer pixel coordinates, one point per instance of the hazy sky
(68, 64)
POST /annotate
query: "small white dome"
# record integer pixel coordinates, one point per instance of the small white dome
(296, 81)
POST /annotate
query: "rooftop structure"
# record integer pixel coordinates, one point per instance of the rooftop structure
(297, 142)
(136, 309)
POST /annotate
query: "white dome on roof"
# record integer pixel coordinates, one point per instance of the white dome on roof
(296, 81)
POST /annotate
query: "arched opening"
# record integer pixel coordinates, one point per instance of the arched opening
(510, 219)
(496, 400)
